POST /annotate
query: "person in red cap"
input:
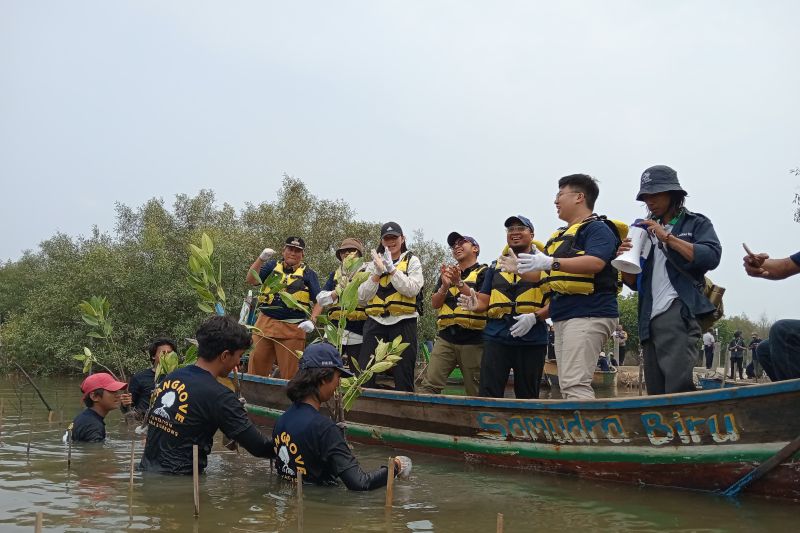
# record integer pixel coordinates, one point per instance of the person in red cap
(101, 394)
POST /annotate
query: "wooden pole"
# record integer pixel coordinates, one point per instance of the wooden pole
(39, 520)
(47, 405)
(69, 448)
(500, 523)
(196, 479)
(2, 408)
(390, 483)
(641, 370)
(299, 501)
(28, 450)
(133, 450)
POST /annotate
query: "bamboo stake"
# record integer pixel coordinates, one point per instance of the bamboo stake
(2, 408)
(390, 483)
(196, 479)
(500, 523)
(641, 371)
(28, 450)
(299, 501)
(69, 449)
(47, 405)
(133, 450)
(39, 520)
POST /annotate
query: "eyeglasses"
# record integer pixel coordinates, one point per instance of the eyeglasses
(562, 193)
(517, 229)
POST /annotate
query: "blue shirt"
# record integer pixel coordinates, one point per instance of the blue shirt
(596, 240)
(277, 309)
(497, 329)
(795, 258)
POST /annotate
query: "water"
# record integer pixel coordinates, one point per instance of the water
(239, 492)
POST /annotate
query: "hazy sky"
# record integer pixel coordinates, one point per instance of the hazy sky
(440, 115)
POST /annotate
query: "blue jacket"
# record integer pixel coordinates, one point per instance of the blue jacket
(698, 230)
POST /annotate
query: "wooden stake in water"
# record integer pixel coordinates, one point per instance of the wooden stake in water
(2, 407)
(196, 478)
(299, 501)
(69, 448)
(500, 524)
(39, 520)
(390, 483)
(133, 451)
(28, 450)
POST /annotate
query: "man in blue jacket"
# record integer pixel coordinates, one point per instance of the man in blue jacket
(671, 298)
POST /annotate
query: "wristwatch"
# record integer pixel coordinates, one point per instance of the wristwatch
(556, 265)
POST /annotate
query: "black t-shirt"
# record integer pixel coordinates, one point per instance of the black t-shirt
(189, 408)
(141, 387)
(310, 442)
(457, 334)
(88, 426)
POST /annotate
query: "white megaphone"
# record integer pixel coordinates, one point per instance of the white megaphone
(640, 246)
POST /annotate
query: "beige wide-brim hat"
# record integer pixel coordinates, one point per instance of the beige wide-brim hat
(350, 243)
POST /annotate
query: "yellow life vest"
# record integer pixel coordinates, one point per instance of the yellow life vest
(451, 314)
(513, 295)
(295, 285)
(562, 245)
(387, 301)
(335, 312)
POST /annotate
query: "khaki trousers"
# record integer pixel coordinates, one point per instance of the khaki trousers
(578, 344)
(278, 340)
(446, 356)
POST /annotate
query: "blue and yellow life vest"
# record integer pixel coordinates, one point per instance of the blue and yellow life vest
(295, 285)
(562, 245)
(513, 295)
(451, 314)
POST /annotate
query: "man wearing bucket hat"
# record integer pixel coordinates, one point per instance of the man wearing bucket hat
(685, 247)
(311, 443)
(515, 336)
(459, 342)
(101, 395)
(281, 336)
(328, 297)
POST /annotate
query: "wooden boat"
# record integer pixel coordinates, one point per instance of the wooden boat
(601, 380)
(701, 440)
(715, 382)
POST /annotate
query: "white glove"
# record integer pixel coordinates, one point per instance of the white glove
(534, 262)
(468, 302)
(377, 263)
(405, 466)
(508, 263)
(523, 325)
(266, 254)
(306, 325)
(388, 263)
(325, 298)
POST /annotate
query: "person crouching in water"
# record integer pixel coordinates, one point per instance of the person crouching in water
(101, 395)
(311, 443)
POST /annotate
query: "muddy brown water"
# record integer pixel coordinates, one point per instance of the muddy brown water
(240, 493)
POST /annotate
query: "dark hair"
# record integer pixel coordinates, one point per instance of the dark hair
(381, 248)
(307, 381)
(220, 333)
(677, 199)
(160, 341)
(582, 183)
(88, 402)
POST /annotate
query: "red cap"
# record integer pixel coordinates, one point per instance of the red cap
(102, 380)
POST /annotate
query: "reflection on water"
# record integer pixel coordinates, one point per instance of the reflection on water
(239, 492)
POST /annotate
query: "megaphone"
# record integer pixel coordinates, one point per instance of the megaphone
(640, 245)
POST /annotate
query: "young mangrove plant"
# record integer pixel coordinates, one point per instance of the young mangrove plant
(95, 312)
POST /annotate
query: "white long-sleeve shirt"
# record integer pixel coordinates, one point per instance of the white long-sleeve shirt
(408, 284)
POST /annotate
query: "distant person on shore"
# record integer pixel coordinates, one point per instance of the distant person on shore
(685, 247)
(101, 395)
(191, 405)
(142, 384)
(736, 348)
(755, 340)
(708, 348)
(311, 443)
(622, 336)
(779, 353)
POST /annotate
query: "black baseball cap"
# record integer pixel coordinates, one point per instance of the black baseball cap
(296, 242)
(391, 228)
(323, 355)
(525, 221)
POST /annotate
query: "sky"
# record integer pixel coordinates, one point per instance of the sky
(440, 115)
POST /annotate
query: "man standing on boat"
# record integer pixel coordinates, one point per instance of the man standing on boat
(515, 336)
(459, 342)
(584, 285)
(779, 353)
(280, 337)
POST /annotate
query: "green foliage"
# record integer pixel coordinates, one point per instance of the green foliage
(629, 318)
(432, 255)
(204, 278)
(140, 268)
(387, 355)
(95, 313)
